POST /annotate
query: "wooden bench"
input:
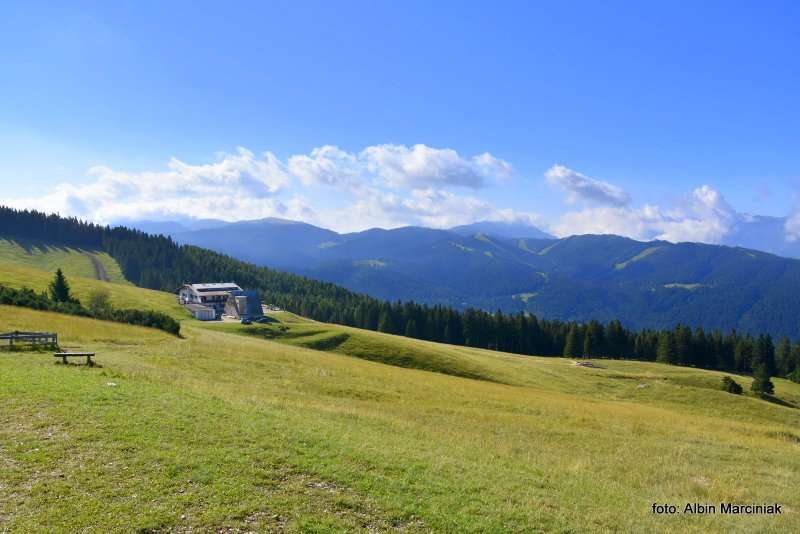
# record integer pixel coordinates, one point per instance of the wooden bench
(65, 355)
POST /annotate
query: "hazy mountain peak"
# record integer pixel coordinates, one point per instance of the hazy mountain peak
(502, 229)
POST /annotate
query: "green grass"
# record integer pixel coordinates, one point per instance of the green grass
(228, 430)
(642, 255)
(73, 261)
(36, 272)
(400, 351)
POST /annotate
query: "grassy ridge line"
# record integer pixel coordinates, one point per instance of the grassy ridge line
(383, 348)
(122, 295)
(491, 366)
(327, 442)
(48, 257)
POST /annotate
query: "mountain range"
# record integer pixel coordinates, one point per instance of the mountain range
(515, 267)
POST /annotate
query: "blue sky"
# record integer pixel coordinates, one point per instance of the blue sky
(684, 109)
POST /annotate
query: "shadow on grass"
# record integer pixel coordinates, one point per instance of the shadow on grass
(32, 245)
(94, 365)
(780, 402)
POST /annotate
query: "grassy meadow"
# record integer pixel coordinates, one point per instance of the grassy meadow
(48, 257)
(227, 430)
(33, 266)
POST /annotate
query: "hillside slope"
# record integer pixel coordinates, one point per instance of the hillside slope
(222, 431)
(85, 263)
(19, 274)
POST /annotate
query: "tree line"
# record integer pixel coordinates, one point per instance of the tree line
(157, 262)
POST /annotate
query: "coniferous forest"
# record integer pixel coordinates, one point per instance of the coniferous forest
(157, 262)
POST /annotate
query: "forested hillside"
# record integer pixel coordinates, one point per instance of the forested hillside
(157, 262)
(494, 266)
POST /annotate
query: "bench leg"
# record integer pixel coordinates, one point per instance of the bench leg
(64, 359)
(89, 361)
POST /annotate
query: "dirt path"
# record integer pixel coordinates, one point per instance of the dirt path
(99, 269)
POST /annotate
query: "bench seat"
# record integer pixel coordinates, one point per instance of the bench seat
(65, 355)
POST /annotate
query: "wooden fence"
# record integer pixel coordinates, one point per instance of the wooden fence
(34, 339)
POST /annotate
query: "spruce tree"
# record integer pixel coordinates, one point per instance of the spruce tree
(592, 340)
(762, 385)
(666, 348)
(701, 353)
(743, 354)
(385, 322)
(571, 349)
(59, 288)
(794, 365)
(682, 343)
(411, 328)
(764, 355)
(783, 357)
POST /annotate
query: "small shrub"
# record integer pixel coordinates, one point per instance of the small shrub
(795, 376)
(731, 386)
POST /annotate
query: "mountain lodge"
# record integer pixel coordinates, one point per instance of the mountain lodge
(209, 301)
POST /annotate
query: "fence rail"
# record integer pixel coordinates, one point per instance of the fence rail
(30, 338)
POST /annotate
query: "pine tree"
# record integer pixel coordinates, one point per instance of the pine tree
(783, 357)
(616, 340)
(592, 340)
(701, 354)
(59, 288)
(794, 366)
(571, 349)
(411, 328)
(682, 341)
(666, 348)
(762, 385)
(764, 355)
(743, 354)
(385, 322)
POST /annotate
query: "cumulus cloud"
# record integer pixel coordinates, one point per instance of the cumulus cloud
(327, 165)
(706, 218)
(421, 166)
(398, 166)
(236, 186)
(382, 185)
(435, 208)
(793, 228)
(703, 217)
(581, 187)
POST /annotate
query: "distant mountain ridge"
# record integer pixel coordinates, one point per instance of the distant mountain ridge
(502, 229)
(645, 284)
(763, 233)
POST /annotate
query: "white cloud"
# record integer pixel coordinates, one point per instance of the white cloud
(582, 187)
(422, 166)
(398, 166)
(793, 227)
(442, 209)
(704, 217)
(435, 208)
(382, 185)
(237, 186)
(635, 223)
(327, 165)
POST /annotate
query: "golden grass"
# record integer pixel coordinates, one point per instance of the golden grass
(546, 446)
(73, 261)
(18, 275)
